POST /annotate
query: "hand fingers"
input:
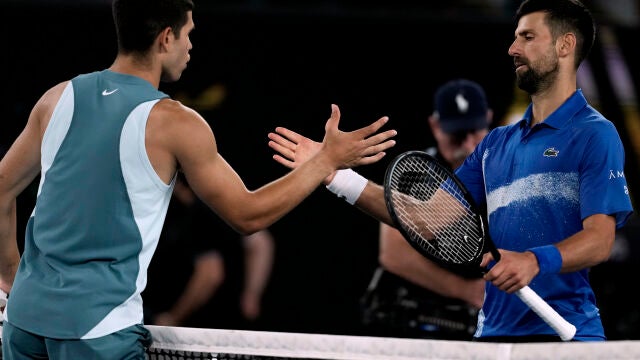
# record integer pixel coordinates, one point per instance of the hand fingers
(378, 138)
(380, 142)
(486, 258)
(283, 161)
(379, 148)
(369, 159)
(372, 128)
(282, 141)
(285, 143)
(288, 134)
(509, 285)
(283, 150)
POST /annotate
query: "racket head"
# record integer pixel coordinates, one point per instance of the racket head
(455, 229)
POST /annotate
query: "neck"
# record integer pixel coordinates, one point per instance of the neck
(136, 66)
(547, 101)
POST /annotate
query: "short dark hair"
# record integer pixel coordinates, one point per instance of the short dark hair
(565, 16)
(138, 22)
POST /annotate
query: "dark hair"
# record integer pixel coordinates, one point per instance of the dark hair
(565, 16)
(138, 22)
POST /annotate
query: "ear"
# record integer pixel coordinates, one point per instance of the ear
(566, 44)
(165, 38)
(434, 124)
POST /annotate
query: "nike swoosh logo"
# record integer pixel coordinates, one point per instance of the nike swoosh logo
(107, 93)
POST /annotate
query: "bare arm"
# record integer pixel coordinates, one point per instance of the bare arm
(208, 274)
(588, 247)
(294, 149)
(259, 252)
(398, 257)
(395, 254)
(182, 139)
(18, 168)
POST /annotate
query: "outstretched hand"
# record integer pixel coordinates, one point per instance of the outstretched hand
(293, 149)
(347, 149)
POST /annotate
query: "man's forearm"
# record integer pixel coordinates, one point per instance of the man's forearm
(371, 202)
(9, 254)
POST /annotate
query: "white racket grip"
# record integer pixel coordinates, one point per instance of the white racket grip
(565, 329)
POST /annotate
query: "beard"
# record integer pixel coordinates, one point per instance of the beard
(538, 76)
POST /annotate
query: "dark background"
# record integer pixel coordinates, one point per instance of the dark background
(280, 63)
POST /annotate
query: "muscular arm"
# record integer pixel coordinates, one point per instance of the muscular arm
(294, 149)
(398, 257)
(18, 168)
(179, 138)
(395, 254)
(371, 202)
(588, 247)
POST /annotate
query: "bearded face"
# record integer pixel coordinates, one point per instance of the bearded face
(539, 74)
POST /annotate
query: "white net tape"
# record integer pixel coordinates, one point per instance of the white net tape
(218, 344)
(340, 347)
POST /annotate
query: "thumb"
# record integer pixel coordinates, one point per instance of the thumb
(334, 120)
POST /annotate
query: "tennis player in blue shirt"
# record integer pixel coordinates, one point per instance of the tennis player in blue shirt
(553, 184)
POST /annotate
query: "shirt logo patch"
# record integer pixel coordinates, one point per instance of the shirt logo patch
(107, 92)
(616, 174)
(551, 152)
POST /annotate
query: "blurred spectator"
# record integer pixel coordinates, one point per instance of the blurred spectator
(410, 295)
(203, 273)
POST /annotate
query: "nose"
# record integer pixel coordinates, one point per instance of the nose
(513, 49)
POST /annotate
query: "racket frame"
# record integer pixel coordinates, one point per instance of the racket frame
(563, 328)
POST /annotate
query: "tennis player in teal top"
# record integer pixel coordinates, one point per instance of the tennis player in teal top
(107, 146)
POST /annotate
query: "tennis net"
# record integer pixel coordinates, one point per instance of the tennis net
(179, 343)
(172, 343)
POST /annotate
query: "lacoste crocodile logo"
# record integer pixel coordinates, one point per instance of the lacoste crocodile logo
(551, 152)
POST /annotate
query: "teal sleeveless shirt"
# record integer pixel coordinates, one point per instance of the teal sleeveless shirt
(98, 214)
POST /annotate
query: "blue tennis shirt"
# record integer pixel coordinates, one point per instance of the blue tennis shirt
(538, 185)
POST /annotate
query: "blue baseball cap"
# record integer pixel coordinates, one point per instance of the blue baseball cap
(461, 105)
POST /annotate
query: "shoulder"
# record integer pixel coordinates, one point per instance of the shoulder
(176, 135)
(177, 126)
(43, 109)
(172, 114)
(50, 97)
(593, 125)
(595, 120)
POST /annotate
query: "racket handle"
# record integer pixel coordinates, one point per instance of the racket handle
(565, 329)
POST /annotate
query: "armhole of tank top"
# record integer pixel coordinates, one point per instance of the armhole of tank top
(59, 123)
(142, 150)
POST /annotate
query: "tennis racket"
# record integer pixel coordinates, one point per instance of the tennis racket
(438, 217)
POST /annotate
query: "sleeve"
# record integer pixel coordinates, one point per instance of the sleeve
(603, 186)
(471, 173)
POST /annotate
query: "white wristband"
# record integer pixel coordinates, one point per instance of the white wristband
(348, 185)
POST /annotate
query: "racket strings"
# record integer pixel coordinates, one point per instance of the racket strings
(433, 211)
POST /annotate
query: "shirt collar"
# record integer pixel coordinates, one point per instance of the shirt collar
(562, 115)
